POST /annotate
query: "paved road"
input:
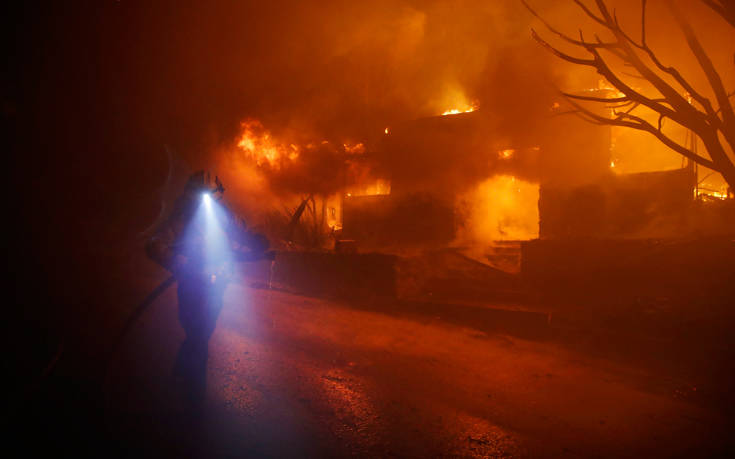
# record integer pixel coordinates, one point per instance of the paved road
(297, 376)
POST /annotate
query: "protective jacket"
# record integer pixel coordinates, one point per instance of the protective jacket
(198, 243)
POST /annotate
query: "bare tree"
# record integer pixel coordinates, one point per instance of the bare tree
(725, 8)
(713, 121)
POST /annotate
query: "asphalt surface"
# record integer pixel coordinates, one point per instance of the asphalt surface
(292, 376)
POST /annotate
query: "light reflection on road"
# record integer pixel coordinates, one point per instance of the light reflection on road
(290, 375)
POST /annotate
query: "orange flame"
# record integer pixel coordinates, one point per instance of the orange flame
(354, 149)
(466, 109)
(507, 153)
(377, 187)
(501, 208)
(258, 144)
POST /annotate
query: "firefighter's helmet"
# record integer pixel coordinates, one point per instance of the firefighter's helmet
(203, 182)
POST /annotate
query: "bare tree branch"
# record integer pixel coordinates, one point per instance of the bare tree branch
(599, 63)
(726, 10)
(640, 124)
(611, 24)
(559, 54)
(728, 116)
(680, 101)
(602, 68)
(589, 13)
(643, 23)
(597, 99)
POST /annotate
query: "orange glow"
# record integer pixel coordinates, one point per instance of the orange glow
(712, 194)
(501, 208)
(458, 102)
(465, 109)
(258, 144)
(507, 153)
(354, 149)
(378, 187)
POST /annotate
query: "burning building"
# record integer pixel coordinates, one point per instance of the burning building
(464, 180)
(461, 179)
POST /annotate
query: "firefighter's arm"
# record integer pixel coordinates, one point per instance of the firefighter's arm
(160, 249)
(257, 245)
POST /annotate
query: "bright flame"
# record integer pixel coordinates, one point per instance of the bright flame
(467, 108)
(501, 208)
(355, 149)
(258, 143)
(378, 187)
(260, 146)
(507, 153)
(454, 100)
(712, 194)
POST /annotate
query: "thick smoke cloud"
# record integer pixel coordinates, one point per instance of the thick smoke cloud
(336, 71)
(331, 69)
(355, 68)
(114, 81)
(342, 71)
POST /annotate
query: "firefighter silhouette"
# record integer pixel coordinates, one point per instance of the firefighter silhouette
(199, 246)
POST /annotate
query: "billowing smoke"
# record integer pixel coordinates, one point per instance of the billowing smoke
(343, 71)
(339, 73)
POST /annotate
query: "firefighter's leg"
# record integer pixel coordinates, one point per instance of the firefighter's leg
(191, 361)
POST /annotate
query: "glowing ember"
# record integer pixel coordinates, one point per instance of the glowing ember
(711, 194)
(507, 153)
(355, 149)
(387, 131)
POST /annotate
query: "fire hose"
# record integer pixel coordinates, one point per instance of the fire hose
(142, 306)
(129, 323)
(132, 319)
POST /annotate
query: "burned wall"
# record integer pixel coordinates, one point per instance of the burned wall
(338, 275)
(446, 165)
(649, 204)
(405, 220)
